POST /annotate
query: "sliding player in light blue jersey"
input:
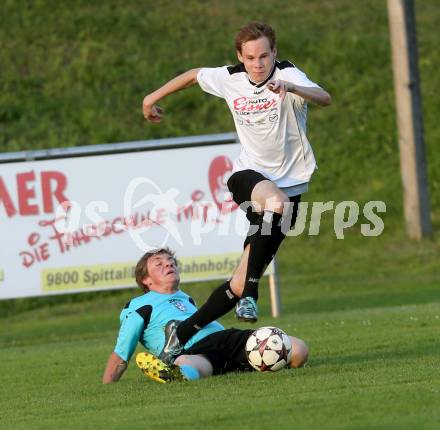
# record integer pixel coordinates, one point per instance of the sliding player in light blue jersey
(145, 317)
(212, 350)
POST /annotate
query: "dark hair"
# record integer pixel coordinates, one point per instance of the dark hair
(141, 267)
(253, 31)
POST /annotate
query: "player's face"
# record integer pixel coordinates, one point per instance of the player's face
(257, 58)
(163, 275)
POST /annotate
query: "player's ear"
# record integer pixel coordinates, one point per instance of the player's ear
(275, 52)
(147, 282)
(239, 56)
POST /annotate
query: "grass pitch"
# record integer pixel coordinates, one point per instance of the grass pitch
(372, 322)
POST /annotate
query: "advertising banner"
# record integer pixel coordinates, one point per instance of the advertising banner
(81, 223)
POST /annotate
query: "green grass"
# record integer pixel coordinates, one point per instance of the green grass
(375, 368)
(368, 308)
(75, 73)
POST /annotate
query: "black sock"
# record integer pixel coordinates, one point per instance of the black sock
(263, 246)
(220, 302)
(289, 217)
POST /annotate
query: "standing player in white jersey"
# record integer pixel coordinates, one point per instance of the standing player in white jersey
(268, 101)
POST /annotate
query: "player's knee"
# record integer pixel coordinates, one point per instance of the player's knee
(277, 202)
(267, 196)
(300, 352)
(201, 363)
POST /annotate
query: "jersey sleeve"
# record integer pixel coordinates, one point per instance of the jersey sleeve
(212, 79)
(298, 77)
(132, 326)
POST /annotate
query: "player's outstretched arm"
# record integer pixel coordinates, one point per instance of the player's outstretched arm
(154, 113)
(115, 368)
(314, 95)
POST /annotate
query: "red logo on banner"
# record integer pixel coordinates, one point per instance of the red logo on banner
(219, 172)
(52, 184)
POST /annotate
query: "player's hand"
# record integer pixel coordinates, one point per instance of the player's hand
(152, 112)
(278, 87)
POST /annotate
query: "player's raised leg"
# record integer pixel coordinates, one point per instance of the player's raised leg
(264, 239)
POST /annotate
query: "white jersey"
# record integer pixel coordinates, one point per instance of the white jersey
(272, 133)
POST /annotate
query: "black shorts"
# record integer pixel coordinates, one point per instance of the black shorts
(225, 350)
(241, 185)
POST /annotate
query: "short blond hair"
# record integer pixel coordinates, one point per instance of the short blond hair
(253, 31)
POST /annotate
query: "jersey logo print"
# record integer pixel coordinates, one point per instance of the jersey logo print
(178, 304)
(254, 111)
(246, 104)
